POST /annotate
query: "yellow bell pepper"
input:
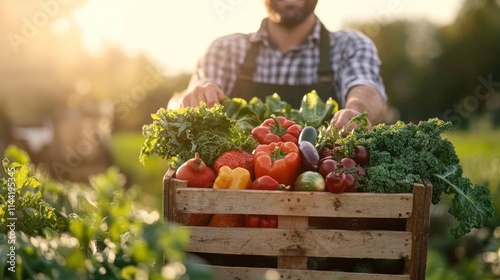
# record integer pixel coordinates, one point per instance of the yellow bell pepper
(238, 178)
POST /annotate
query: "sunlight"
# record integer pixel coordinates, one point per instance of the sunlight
(60, 25)
(176, 34)
(102, 22)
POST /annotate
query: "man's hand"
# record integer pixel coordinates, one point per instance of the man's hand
(210, 93)
(360, 99)
(343, 116)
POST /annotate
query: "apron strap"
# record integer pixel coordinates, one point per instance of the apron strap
(247, 69)
(249, 65)
(325, 71)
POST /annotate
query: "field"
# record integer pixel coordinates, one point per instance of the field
(471, 256)
(479, 152)
(126, 148)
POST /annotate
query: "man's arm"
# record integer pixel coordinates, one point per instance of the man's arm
(361, 99)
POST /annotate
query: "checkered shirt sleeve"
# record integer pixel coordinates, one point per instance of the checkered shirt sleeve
(354, 59)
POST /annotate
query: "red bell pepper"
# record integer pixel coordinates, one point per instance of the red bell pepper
(262, 221)
(266, 182)
(281, 161)
(277, 129)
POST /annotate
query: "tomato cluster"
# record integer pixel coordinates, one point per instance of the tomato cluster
(343, 175)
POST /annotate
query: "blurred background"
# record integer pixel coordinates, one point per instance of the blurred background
(79, 79)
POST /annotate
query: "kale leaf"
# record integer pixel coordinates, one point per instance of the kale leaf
(403, 154)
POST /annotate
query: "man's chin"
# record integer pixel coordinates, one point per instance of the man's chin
(290, 13)
(290, 22)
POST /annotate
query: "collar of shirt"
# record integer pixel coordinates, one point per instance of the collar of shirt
(263, 36)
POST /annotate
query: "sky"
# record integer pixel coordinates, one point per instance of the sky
(175, 34)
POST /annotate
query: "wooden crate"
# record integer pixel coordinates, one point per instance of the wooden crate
(294, 241)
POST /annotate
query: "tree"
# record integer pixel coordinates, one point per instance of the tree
(451, 71)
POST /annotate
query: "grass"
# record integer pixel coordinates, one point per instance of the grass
(479, 153)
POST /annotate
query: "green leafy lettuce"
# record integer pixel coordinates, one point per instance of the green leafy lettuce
(312, 112)
(175, 135)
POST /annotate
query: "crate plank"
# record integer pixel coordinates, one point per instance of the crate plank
(231, 273)
(295, 240)
(419, 224)
(293, 256)
(168, 195)
(306, 242)
(312, 204)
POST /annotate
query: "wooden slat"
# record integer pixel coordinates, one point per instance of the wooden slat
(312, 204)
(294, 242)
(176, 216)
(231, 273)
(295, 256)
(168, 196)
(419, 224)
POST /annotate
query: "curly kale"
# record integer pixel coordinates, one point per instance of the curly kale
(402, 154)
(408, 153)
(175, 135)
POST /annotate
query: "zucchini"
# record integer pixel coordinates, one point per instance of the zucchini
(309, 134)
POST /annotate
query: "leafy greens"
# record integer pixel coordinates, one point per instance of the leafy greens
(176, 135)
(312, 112)
(402, 154)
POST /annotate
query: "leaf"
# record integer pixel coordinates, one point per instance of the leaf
(75, 259)
(179, 133)
(471, 207)
(314, 111)
(129, 272)
(276, 106)
(237, 109)
(31, 212)
(155, 117)
(360, 122)
(259, 108)
(21, 177)
(15, 154)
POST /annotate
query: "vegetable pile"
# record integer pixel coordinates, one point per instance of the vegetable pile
(267, 145)
(402, 154)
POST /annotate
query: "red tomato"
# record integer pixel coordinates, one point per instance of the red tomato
(262, 221)
(348, 163)
(350, 181)
(361, 171)
(268, 222)
(327, 152)
(326, 166)
(361, 155)
(336, 183)
(252, 220)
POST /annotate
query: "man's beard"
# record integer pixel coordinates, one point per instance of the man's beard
(290, 16)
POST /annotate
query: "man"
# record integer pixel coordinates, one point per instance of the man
(291, 54)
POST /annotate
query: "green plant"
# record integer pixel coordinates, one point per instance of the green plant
(98, 231)
(404, 153)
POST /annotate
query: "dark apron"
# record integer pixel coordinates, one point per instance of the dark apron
(245, 88)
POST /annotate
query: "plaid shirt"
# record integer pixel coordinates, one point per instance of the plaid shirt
(354, 61)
